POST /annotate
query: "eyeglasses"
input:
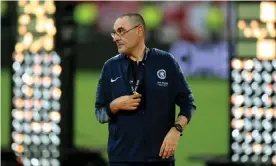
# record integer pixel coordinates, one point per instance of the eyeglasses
(122, 33)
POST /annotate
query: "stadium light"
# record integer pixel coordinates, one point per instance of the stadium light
(253, 87)
(253, 110)
(37, 88)
(253, 130)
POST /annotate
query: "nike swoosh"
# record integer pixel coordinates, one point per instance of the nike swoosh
(114, 79)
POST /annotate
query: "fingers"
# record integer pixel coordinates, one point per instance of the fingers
(171, 151)
(162, 149)
(135, 104)
(131, 106)
(136, 95)
(136, 100)
(167, 149)
(132, 102)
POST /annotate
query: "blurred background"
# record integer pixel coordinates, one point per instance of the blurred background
(203, 36)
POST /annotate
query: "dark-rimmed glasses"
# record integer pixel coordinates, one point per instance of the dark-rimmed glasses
(122, 33)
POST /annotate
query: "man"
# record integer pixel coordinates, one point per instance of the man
(136, 96)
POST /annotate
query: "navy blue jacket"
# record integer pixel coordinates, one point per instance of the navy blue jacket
(137, 136)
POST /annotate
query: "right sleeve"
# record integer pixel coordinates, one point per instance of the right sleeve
(103, 93)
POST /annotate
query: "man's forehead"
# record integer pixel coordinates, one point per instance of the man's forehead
(121, 22)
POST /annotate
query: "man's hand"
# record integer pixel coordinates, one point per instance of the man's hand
(170, 142)
(125, 103)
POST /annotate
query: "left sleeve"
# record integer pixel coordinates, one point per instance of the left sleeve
(103, 112)
(182, 93)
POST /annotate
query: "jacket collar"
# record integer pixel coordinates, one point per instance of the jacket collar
(125, 66)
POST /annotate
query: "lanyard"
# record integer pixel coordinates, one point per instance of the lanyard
(134, 84)
(134, 88)
(138, 72)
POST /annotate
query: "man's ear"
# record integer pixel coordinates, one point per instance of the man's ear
(141, 30)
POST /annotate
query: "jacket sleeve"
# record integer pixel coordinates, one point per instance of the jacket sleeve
(182, 92)
(102, 108)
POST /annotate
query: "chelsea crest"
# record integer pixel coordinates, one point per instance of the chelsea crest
(161, 74)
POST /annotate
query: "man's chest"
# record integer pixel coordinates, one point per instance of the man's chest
(155, 81)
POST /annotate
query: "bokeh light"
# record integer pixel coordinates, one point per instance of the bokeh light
(253, 110)
(36, 90)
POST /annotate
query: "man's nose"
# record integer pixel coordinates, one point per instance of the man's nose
(116, 38)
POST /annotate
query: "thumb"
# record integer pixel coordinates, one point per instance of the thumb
(136, 95)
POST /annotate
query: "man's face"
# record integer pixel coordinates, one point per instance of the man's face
(126, 34)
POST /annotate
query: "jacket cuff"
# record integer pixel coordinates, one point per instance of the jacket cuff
(187, 113)
(108, 112)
